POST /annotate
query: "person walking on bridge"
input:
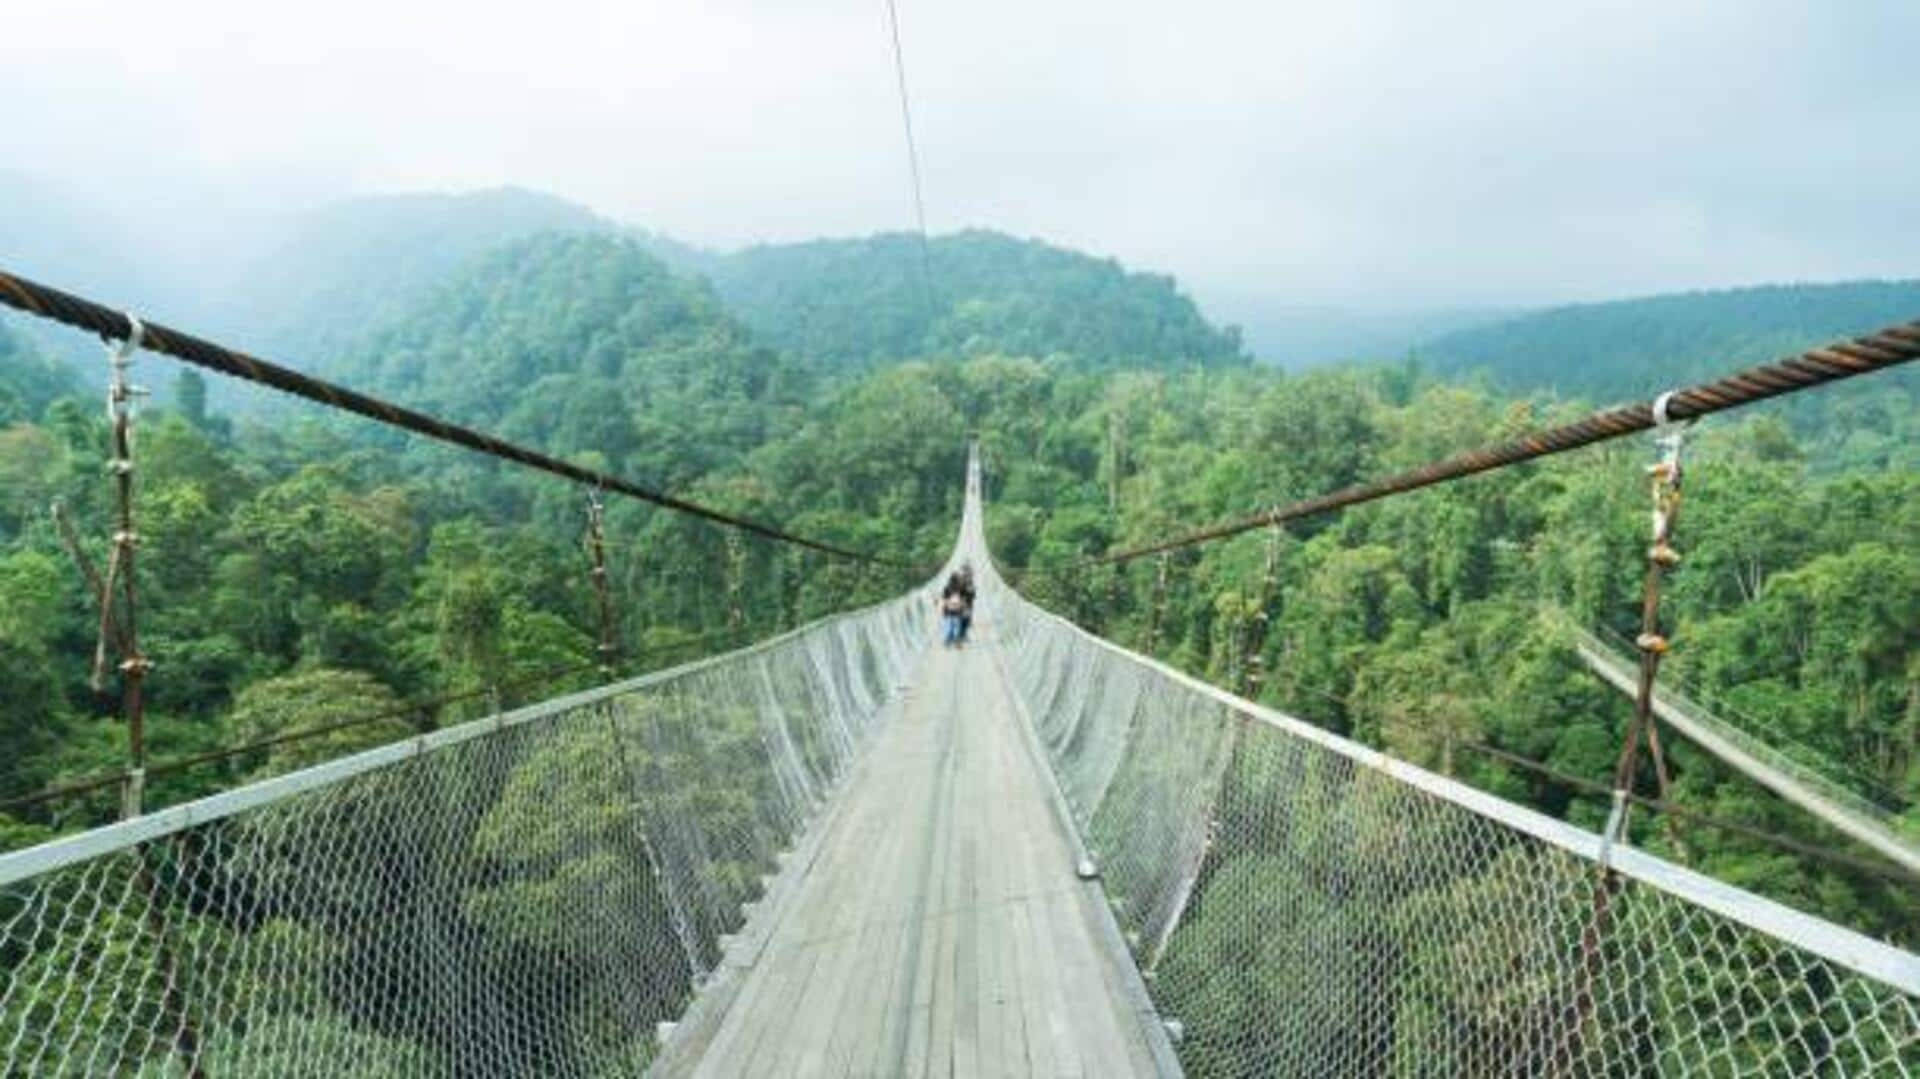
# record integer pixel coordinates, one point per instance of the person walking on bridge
(966, 616)
(956, 609)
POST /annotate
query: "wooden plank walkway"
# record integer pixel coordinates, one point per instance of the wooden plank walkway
(931, 923)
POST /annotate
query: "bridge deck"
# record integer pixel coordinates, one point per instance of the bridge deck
(932, 924)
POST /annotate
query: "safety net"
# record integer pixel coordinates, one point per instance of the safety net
(531, 893)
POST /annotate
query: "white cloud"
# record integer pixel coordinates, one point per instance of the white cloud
(1414, 153)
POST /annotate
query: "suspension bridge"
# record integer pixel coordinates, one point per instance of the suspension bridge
(844, 851)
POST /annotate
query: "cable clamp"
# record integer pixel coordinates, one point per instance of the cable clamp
(1661, 404)
(1670, 435)
(120, 392)
(121, 352)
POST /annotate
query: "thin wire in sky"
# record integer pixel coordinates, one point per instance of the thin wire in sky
(913, 158)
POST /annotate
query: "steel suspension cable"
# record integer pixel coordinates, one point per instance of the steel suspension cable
(83, 314)
(913, 157)
(1890, 347)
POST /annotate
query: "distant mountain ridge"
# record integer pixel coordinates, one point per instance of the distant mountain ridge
(586, 343)
(1635, 348)
(358, 264)
(314, 287)
(857, 302)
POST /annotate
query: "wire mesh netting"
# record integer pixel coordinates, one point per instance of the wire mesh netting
(1803, 765)
(527, 894)
(1304, 906)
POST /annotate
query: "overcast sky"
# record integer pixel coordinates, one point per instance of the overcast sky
(1344, 153)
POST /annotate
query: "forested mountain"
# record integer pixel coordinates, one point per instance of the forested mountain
(585, 343)
(1611, 352)
(365, 262)
(301, 286)
(1636, 348)
(298, 572)
(864, 301)
(303, 574)
(1300, 336)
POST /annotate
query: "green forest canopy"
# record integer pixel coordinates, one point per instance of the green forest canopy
(330, 563)
(867, 301)
(1637, 348)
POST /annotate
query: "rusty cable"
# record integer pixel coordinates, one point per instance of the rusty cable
(82, 314)
(1889, 347)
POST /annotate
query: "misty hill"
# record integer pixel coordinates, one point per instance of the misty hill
(863, 301)
(298, 286)
(364, 262)
(312, 286)
(28, 380)
(580, 343)
(48, 235)
(1608, 352)
(1299, 336)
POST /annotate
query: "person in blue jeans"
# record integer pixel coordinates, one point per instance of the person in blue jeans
(956, 610)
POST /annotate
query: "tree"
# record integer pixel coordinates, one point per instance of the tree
(294, 703)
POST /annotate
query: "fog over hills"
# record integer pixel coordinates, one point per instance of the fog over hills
(308, 285)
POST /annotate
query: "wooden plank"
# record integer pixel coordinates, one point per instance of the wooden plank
(967, 990)
(787, 975)
(936, 1057)
(912, 1035)
(989, 913)
(1052, 944)
(939, 931)
(871, 847)
(711, 1025)
(826, 1027)
(902, 1002)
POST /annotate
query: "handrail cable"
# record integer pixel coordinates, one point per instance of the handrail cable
(112, 325)
(1870, 792)
(1585, 785)
(1889, 347)
(213, 756)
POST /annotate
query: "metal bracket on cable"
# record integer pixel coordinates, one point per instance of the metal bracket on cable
(121, 392)
(1670, 436)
